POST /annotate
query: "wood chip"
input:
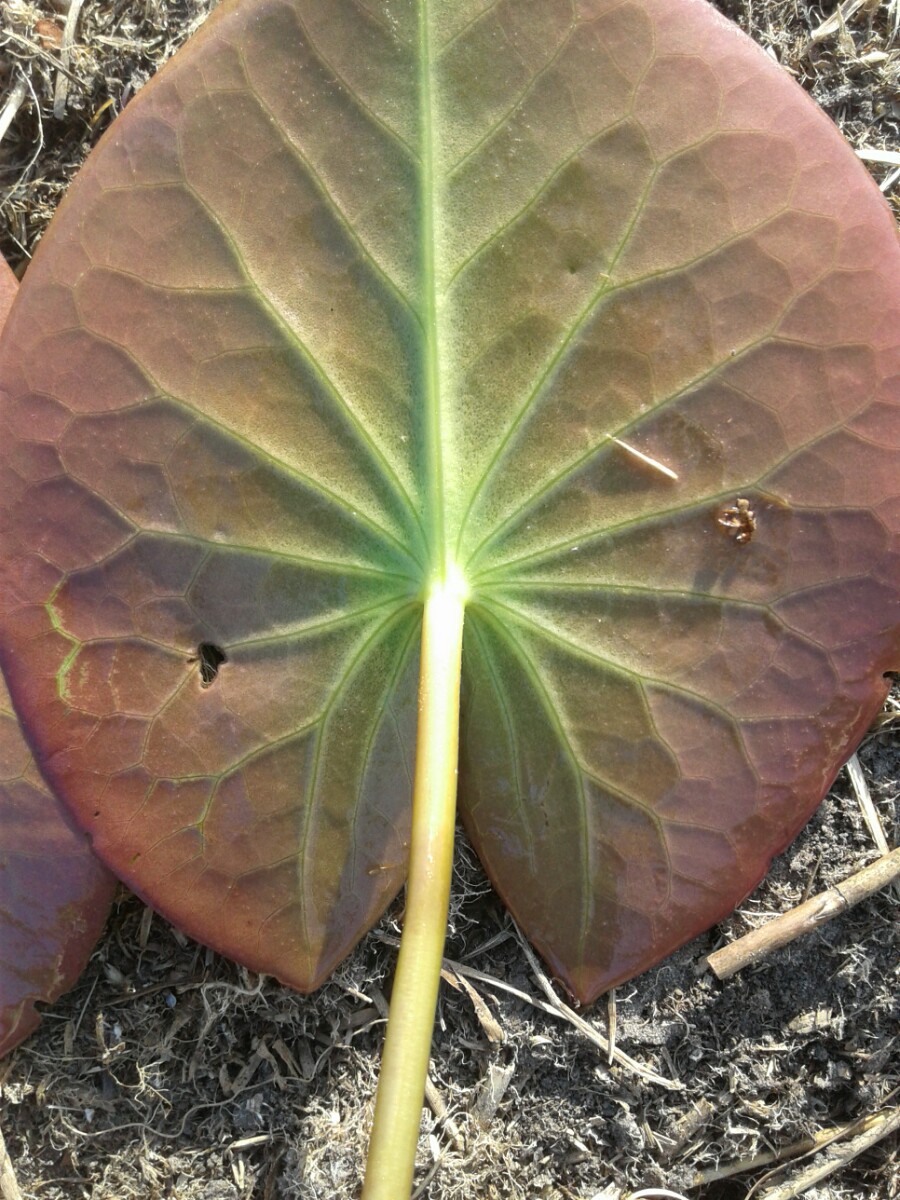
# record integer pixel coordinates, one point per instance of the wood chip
(491, 1093)
(686, 1128)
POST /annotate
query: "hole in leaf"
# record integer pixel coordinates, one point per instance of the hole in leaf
(210, 658)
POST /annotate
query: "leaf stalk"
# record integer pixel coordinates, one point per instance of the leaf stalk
(401, 1086)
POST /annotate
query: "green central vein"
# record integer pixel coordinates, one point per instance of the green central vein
(434, 497)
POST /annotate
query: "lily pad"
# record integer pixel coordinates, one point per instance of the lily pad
(586, 304)
(55, 894)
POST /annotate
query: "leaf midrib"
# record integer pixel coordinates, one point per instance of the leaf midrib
(435, 520)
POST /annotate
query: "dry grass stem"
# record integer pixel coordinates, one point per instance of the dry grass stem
(567, 1014)
(554, 1006)
(888, 157)
(857, 778)
(878, 1127)
(12, 104)
(611, 1025)
(61, 90)
(802, 1149)
(842, 15)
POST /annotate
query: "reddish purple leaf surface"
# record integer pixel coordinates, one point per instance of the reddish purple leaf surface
(8, 287)
(588, 302)
(54, 892)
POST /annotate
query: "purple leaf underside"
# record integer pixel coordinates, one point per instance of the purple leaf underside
(587, 300)
(54, 892)
(8, 288)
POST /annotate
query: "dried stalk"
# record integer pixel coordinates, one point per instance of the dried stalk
(879, 1126)
(759, 943)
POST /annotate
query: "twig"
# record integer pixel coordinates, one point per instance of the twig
(555, 1010)
(879, 1126)
(742, 1165)
(781, 930)
(486, 1019)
